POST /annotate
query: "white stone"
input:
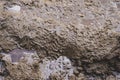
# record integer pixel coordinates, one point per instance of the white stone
(14, 8)
(31, 58)
(61, 67)
(6, 57)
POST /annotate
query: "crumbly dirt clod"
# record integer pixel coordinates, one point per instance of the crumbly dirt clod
(86, 31)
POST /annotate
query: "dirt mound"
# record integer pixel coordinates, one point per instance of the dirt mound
(86, 31)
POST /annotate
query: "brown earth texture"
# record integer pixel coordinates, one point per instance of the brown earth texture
(83, 35)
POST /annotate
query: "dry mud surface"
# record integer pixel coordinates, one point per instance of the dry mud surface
(85, 32)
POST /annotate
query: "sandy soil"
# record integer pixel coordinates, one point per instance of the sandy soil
(86, 31)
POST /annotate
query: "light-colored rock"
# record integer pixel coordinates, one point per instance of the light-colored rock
(60, 68)
(6, 57)
(18, 55)
(14, 8)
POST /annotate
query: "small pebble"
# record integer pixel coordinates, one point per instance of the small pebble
(14, 8)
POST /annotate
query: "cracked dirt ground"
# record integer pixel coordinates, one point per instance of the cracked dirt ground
(85, 31)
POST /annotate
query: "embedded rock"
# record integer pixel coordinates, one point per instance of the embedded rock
(24, 64)
(14, 8)
(61, 69)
